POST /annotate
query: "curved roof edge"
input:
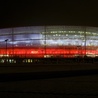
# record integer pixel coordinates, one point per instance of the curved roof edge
(47, 25)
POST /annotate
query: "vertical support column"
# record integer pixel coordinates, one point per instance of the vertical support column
(45, 41)
(6, 46)
(85, 40)
(12, 43)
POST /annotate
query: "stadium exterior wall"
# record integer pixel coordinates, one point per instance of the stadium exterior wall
(49, 42)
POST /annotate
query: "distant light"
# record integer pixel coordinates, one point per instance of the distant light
(34, 52)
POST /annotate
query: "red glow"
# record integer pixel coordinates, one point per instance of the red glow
(42, 52)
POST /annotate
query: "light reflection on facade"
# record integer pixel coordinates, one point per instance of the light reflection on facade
(49, 41)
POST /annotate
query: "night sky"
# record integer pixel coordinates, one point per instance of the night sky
(48, 12)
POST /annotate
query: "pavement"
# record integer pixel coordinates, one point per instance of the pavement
(45, 81)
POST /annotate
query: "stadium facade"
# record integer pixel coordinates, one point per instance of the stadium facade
(49, 42)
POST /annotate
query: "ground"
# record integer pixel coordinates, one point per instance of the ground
(55, 81)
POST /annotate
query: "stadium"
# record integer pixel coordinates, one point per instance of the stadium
(48, 42)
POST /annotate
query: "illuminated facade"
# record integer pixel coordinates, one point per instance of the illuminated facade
(49, 41)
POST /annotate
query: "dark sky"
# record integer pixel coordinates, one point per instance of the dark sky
(48, 12)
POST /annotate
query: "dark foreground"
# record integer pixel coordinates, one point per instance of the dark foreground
(80, 83)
